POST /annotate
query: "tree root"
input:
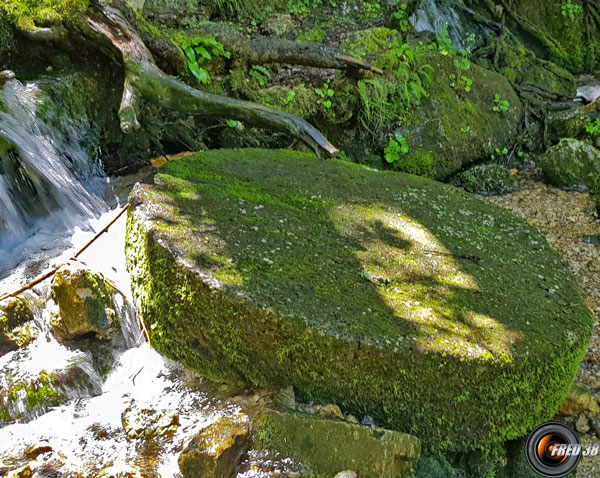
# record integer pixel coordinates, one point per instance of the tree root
(144, 80)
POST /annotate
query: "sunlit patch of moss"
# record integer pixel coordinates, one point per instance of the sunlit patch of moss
(315, 34)
(32, 14)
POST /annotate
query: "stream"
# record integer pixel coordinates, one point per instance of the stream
(119, 398)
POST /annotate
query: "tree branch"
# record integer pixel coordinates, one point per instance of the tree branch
(145, 80)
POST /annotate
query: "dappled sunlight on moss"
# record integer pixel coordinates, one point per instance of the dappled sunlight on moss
(417, 277)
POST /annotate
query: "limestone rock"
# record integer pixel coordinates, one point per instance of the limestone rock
(85, 304)
(217, 449)
(346, 474)
(582, 424)
(367, 289)
(148, 423)
(578, 400)
(572, 164)
(331, 446)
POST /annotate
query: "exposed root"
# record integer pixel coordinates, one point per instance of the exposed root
(145, 80)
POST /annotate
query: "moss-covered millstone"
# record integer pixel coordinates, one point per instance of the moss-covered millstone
(430, 310)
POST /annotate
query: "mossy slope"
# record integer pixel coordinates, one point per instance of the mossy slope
(433, 311)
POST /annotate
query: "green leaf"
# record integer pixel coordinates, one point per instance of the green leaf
(200, 50)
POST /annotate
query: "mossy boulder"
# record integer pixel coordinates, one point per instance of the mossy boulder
(329, 447)
(572, 164)
(85, 304)
(487, 179)
(569, 123)
(363, 288)
(16, 323)
(454, 128)
(216, 450)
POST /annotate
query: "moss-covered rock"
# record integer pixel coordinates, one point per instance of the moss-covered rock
(16, 323)
(362, 288)
(332, 446)
(457, 128)
(487, 179)
(572, 164)
(84, 302)
(570, 123)
(216, 450)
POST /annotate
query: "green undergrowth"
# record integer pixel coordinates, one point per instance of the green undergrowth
(32, 14)
(362, 288)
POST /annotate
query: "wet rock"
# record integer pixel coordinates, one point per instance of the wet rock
(579, 400)
(487, 179)
(572, 164)
(582, 425)
(570, 123)
(16, 323)
(148, 423)
(331, 411)
(330, 446)
(217, 449)
(268, 278)
(85, 304)
(6, 76)
(37, 449)
(346, 474)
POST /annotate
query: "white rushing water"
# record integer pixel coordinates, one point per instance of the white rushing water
(45, 176)
(47, 214)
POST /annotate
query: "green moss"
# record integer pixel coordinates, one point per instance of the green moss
(376, 287)
(418, 162)
(39, 393)
(30, 14)
(315, 34)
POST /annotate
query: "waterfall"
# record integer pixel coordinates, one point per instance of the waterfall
(43, 171)
(435, 15)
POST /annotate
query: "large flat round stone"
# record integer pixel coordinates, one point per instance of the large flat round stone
(433, 311)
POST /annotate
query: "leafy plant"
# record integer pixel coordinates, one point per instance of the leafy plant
(500, 105)
(396, 148)
(371, 11)
(325, 94)
(260, 74)
(384, 100)
(400, 19)
(570, 9)
(231, 123)
(199, 50)
(289, 98)
(593, 128)
(459, 80)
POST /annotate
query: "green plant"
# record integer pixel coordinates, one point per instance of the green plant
(370, 11)
(289, 98)
(593, 129)
(499, 153)
(198, 50)
(396, 148)
(400, 18)
(570, 9)
(260, 74)
(459, 80)
(385, 101)
(500, 105)
(325, 95)
(231, 123)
